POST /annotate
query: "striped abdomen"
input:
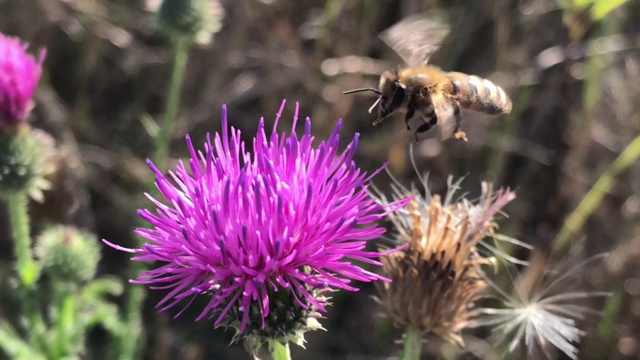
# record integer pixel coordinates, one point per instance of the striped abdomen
(480, 94)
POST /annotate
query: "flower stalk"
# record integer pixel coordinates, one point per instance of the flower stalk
(26, 266)
(19, 220)
(163, 138)
(412, 345)
(279, 351)
(130, 339)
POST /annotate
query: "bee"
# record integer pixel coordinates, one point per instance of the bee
(436, 96)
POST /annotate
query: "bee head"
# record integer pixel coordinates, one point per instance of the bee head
(392, 93)
(391, 96)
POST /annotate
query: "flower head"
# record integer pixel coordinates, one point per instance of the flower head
(67, 254)
(26, 158)
(194, 20)
(543, 319)
(263, 234)
(19, 75)
(437, 278)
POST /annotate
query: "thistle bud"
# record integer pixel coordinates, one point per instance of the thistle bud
(287, 321)
(67, 254)
(24, 161)
(196, 20)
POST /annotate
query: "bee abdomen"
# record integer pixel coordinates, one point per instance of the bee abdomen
(480, 94)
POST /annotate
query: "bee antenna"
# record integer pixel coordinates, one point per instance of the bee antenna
(362, 90)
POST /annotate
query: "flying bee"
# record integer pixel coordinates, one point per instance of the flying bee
(425, 90)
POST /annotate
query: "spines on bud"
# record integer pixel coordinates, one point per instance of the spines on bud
(24, 162)
(195, 20)
(67, 254)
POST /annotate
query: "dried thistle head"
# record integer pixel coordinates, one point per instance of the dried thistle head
(437, 276)
(544, 319)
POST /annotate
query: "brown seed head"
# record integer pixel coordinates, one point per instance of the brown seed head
(437, 277)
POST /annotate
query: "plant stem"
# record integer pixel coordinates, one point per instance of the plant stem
(607, 326)
(412, 345)
(279, 351)
(130, 339)
(19, 219)
(593, 198)
(162, 139)
(26, 267)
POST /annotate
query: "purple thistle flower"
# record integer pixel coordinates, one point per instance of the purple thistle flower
(19, 75)
(264, 234)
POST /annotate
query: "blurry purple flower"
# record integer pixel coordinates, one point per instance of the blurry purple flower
(19, 75)
(263, 234)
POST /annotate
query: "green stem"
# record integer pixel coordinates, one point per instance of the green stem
(130, 339)
(593, 198)
(279, 351)
(19, 218)
(162, 139)
(607, 327)
(412, 345)
(26, 267)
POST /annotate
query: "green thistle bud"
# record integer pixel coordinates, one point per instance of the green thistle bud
(195, 20)
(287, 321)
(24, 155)
(67, 254)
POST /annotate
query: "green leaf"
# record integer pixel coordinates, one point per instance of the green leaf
(583, 3)
(29, 273)
(105, 314)
(99, 311)
(65, 328)
(16, 347)
(107, 285)
(601, 8)
(150, 125)
(594, 197)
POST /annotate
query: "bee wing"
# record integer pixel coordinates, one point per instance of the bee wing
(448, 116)
(415, 38)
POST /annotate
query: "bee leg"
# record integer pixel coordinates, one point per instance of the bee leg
(427, 124)
(408, 117)
(433, 120)
(422, 128)
(429, 120)
(457, 133)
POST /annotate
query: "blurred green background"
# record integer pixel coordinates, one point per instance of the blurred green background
(572, 68)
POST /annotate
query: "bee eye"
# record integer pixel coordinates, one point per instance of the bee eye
(399, 95)
(389, 104)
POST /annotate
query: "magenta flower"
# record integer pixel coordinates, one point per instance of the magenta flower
(19, 75)
(262, 233)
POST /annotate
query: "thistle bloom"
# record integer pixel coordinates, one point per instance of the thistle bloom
(437, 278)
(19, 75)
(263, 234)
